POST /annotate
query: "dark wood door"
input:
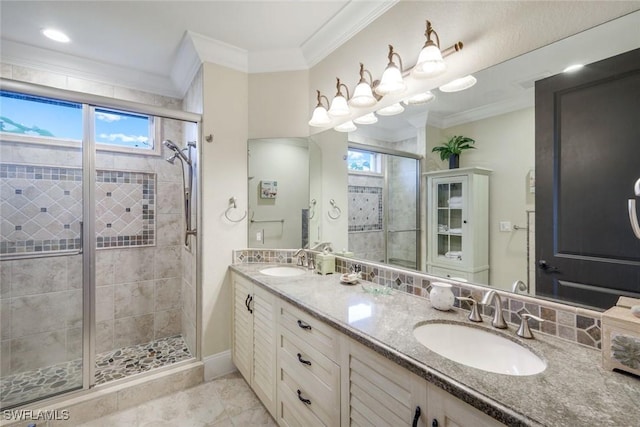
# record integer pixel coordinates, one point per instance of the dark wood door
(587, 161)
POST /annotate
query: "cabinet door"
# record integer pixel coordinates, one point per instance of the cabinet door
(452, 412)
(263, 378)
(381, 393)
(242, 327)
(449, 230)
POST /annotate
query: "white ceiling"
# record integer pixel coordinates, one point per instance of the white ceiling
(144, 37)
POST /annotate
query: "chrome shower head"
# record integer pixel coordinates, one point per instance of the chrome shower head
(177, 152)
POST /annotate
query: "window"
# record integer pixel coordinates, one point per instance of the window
(364, 161)
(39, 120)
(36, 116)
(123, 129)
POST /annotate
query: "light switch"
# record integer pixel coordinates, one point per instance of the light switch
(259, 236)
(505, 225)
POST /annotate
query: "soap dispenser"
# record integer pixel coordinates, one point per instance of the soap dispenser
(325, 263)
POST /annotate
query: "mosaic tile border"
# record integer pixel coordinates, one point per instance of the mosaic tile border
(146, 237)
(59, 205)
(574, 324)
(362, 189)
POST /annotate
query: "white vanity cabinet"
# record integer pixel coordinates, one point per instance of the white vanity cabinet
(380, 392)
(458, 223)
(254, 338)
(308, 375)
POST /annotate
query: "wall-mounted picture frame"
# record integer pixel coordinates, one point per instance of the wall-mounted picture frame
(268, 189)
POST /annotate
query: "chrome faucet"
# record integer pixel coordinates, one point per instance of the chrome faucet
(322, 246)
(498, 318)
(301, 254)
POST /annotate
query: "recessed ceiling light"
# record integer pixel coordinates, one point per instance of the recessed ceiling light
(459, 84)
(572, 68)
(56, 35)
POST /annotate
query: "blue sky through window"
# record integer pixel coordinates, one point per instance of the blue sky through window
(51, 118)
(122, 129)
(36, 116)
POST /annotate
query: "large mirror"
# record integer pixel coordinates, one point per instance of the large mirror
(498, 112)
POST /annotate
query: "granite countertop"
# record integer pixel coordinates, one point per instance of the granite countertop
(574, 390)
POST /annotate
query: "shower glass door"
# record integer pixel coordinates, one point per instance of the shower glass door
(402, 211)
(41, 248)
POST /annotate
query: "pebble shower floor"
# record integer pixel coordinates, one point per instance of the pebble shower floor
(28, 386)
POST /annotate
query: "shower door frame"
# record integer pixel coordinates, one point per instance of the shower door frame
(418, 158)
(89, 103)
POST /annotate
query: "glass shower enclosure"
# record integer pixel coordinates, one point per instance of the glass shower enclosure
(97, 283)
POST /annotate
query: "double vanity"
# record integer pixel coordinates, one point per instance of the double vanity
(318, 352)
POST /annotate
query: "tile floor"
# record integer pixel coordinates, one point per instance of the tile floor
(225, 402)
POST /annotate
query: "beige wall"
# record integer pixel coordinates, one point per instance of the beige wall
(278, 104)
(224, 174)
(505, 144)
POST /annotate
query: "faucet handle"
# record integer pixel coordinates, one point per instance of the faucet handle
(474, 315)
(524, 331)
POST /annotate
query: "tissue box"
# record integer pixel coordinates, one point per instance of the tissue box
(621, 337)
(325, 264)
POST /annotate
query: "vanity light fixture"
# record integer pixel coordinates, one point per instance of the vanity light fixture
(320, 116)
(346, 127)
(430, 61)
(339, 106)
(56, 35)
(420, 98)
(367, 119)
(391, 81)
(362, 94)
(459, 84)
(572, 68)
(391, 110)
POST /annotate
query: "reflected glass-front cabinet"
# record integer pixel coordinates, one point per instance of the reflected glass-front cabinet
(458, 223)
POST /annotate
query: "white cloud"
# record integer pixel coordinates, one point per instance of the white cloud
(108, 117)
(124, 138)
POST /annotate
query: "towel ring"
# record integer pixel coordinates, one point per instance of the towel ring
(232, 205)
(335, 208)
(312, 208)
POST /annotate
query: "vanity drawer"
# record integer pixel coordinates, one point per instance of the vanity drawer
(307, 396)
(292, 351)
(310, 330)
(449, 274)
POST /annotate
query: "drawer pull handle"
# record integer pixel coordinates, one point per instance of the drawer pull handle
(302, 399)
(416, 417)
(246, 301)
(304, 325)
(249, 304)
(301, 360)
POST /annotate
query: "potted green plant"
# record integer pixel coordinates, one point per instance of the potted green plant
(452, 149)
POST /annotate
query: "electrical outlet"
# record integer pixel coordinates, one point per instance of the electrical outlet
(259, 236)
(505, 226)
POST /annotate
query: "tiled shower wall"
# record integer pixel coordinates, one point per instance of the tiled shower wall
(365, 197)
(139, 290)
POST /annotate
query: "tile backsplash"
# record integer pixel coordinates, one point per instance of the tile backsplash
(571, 323)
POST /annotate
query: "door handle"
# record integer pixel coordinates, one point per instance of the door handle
(542, 264)
(249, 304)
(416, 417)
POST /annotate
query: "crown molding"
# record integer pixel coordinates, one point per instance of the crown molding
(519, 102)
(186, 64)
(350, 20)
(271, 61)
(36, 58)
(220, 53)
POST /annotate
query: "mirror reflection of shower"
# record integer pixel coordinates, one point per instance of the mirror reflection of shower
(187, 184)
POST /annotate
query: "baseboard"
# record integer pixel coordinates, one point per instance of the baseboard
(218, 365)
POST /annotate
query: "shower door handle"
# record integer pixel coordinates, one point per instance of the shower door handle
(81, 237)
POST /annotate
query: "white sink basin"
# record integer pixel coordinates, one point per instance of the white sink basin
(288, 271)
(479, 349)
